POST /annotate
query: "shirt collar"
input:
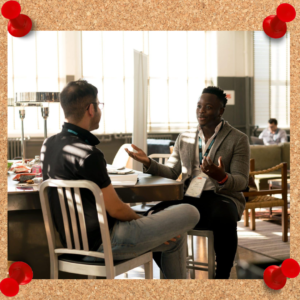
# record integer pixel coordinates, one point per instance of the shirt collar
(83, 134)
(217, 129)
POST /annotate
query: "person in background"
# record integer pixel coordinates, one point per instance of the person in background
(221, 154)
(273, 135)
(72, 155)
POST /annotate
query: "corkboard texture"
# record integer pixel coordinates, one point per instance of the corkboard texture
(155, 15)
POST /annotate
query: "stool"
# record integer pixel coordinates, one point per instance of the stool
(190, 263)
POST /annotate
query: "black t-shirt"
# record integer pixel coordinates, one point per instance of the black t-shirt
(72, 155)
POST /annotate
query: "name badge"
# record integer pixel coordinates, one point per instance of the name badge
(196, 187)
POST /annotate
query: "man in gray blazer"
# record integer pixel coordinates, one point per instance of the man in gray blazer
(221, 154)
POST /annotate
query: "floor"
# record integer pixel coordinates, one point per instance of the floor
(244, 254)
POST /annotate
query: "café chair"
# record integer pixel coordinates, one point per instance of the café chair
(265, 199)
(210, 266)
(144, 207)
(193, 265)
(70, 259)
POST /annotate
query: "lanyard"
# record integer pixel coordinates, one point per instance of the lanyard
(209, 147)
(76, 133)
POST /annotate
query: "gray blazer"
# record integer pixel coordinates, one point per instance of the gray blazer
(231, 144)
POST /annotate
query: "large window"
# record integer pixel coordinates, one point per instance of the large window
(271, 79)
(176, 76)
(179, 67)
(33, 66)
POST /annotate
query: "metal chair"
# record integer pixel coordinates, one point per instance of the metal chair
(108, 268)
(191, 263)
(210, 266)
(142, 208)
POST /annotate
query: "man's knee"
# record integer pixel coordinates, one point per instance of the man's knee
(190, 212)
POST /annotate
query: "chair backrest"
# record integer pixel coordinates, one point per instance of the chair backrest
(122, 159)
(162, 158)
(64, 189)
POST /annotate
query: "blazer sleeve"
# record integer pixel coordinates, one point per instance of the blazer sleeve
(239, 167)
(170, 170)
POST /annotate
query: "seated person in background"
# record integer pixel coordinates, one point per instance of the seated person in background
(219, 153)
(273, 135)
(72, 154)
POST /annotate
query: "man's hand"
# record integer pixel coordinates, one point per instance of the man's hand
(172, 240)
(139, 156)
(215, 172)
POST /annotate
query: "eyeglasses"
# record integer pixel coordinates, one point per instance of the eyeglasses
(100, 104)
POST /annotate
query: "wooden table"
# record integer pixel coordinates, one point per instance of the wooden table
(27, 239)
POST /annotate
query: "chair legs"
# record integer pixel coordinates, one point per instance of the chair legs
(195, 265)
(252, 219)
(190, 253)
(246, 218)
(211, 259)
(53, 267)
(284, 223)
(149, 270)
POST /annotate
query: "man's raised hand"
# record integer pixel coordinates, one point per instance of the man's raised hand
(213, 171)
(139, 155)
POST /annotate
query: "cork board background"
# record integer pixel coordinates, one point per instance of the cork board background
(155, 15)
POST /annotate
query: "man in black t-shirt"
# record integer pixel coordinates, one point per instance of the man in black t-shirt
(72, 154)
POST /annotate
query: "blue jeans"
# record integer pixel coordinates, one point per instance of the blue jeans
(133, 238)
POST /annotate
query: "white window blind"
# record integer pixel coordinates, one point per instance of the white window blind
(271, 79)
(33, 67)
(179, 64)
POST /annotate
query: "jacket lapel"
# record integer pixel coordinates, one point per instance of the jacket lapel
(220, 137)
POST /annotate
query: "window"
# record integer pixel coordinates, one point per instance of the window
(271, 79)
(33, 66)
(179, 67)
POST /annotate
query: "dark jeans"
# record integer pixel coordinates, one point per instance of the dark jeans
(219, 214)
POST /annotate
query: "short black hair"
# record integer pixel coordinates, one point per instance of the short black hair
(216, 91)
(273, 121)
(75, 98)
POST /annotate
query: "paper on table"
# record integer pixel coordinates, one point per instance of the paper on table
(121, 172)
(111, 169)
(115, 167)
(123, 179)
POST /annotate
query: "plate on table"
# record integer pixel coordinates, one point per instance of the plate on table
(27, 184)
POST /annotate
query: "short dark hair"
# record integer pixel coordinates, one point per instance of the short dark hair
(75, 97)
(216, 91)
(273, 121)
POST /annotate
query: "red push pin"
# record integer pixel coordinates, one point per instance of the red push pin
(275, 277)
(275, 26)
(20, 273)
(18, 25)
